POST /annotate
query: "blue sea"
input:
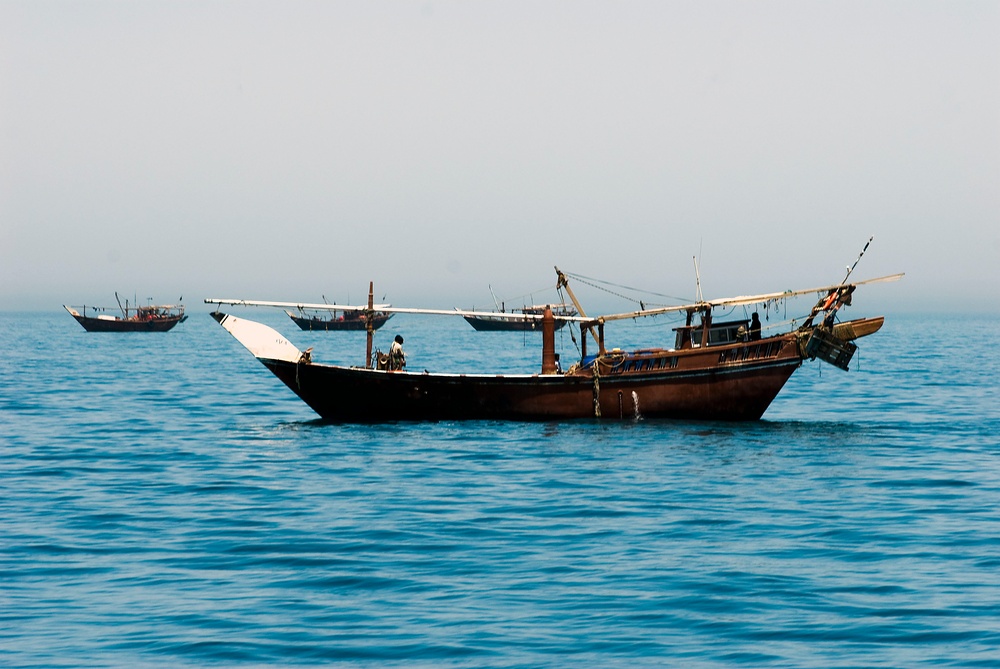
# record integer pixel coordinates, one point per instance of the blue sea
(166, 502)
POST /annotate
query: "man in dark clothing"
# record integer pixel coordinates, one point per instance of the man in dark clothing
(754, 327)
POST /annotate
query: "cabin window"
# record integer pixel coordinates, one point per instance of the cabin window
(720, 336)
(689, 336)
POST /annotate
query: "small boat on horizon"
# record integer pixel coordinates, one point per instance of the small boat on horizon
(133, 318)
(528, 322)
(500, 321)
(343, 320)
(340, 318)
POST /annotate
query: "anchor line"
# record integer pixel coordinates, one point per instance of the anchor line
(597, 388)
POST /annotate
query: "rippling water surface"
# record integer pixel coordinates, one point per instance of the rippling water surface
(165, 501)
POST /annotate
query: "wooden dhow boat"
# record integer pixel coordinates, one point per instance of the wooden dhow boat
(525, 319)
(713, 371)
(149, 318)
(354, 320)
(505, 322)
(337, 318)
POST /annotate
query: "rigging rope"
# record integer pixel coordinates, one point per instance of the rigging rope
(531, 297)
(587, 280)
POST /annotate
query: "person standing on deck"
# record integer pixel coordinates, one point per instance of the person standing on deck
(397, 358)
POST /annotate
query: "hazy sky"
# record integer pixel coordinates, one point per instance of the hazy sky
(287, 150)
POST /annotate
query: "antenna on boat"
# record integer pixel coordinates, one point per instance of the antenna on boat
(697, 281)
(124, 311)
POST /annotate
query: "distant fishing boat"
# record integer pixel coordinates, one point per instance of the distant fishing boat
(502, 321)
(149, 318)
(327, 317)
(529, 321)
(713, 371)
(346, 319)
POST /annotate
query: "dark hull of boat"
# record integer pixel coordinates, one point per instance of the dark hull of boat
(487, 324)
(129, 325)
(696, 387)
(348, 324)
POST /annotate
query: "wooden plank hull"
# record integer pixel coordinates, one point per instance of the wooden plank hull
(696, 387)
(127, 325)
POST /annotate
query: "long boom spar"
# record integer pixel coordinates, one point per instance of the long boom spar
(389, 309)
(642, 313)
(295, 305)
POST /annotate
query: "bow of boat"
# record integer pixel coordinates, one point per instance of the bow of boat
(859, 327)
(264, 342)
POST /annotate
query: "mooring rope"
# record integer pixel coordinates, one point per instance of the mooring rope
(597, 388)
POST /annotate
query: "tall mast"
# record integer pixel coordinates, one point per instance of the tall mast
(562, 282)
(369, 326)
(850, 270)
(838, 295)
(585, 327)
